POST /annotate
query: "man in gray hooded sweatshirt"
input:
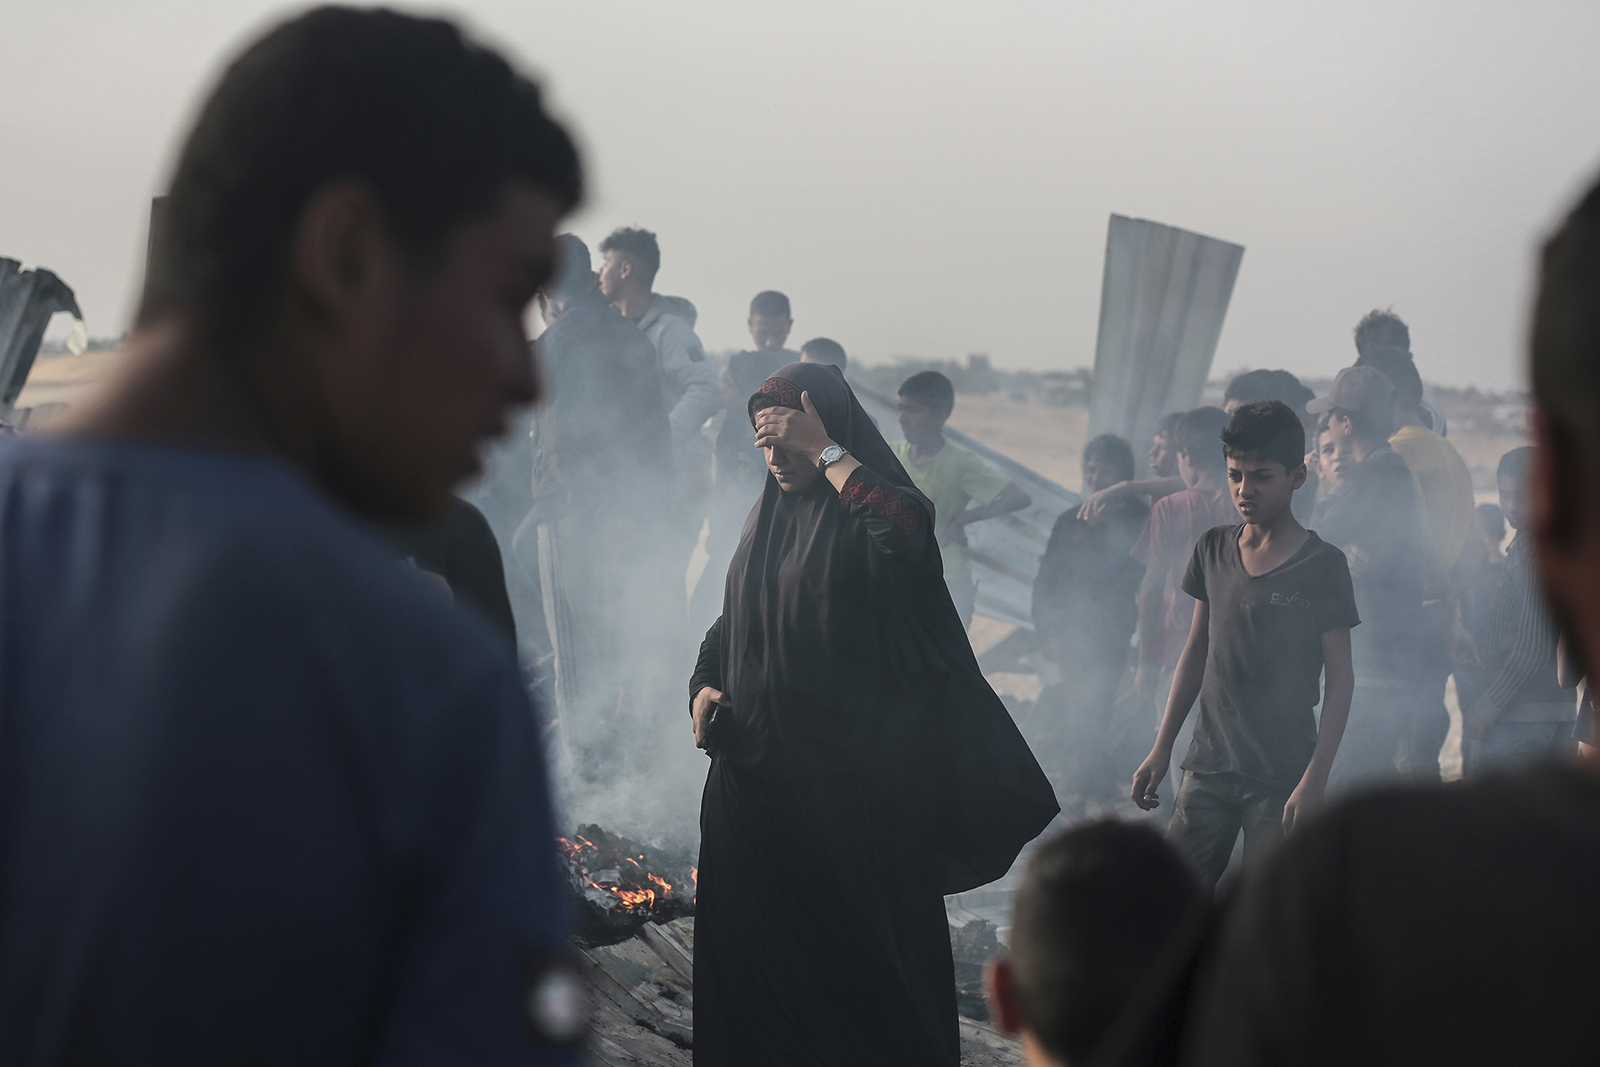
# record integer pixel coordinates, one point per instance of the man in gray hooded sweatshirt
(688, 380)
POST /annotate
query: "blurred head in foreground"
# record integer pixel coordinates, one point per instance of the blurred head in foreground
(356, 225)
(1564, 484)
(1095, 914)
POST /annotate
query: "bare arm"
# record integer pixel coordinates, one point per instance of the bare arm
(1012, 498)
(1185, 690)
(1152, 597)
(1339, 682)
(1155, 488)
(1569, 670)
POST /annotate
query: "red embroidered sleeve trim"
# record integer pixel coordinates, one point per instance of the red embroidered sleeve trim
(858, 490)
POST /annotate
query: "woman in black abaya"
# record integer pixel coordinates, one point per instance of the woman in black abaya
(861, 766)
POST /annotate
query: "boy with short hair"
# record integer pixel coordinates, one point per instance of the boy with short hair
(1164, 448)
(1176, 521)
(952, 477)
(1274, 605)
(825, 350)
(1163, 478)
(1085, 598)
(1098, 910)
(1333, 455)
(1473, 904)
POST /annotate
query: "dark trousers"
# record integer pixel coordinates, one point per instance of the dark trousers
(1508, 745)
(1211, 809)
(1386, 718)
(1428, 724)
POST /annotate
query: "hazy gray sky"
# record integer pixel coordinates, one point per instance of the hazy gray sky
(933, 177)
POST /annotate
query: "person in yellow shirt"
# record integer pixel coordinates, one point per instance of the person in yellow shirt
(952, 477)
(1440, 473)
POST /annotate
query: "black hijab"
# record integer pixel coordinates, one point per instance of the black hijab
(834, 651)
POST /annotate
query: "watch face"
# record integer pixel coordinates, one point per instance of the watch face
(832, 454)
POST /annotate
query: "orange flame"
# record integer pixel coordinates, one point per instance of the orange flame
(579, 848)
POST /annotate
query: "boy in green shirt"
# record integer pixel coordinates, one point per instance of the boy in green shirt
(952, 477)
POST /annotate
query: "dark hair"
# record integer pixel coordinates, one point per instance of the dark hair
(1378, 328)
(1168, 424)
(1271, 385)
(1199, 434)
(574, 273)
(1098, 908)
(638, 245)
(828, 351)
(1268, 430)
(1491, 521)
(1515, 464)
(931, 388)
(1566, 334)
(1323, 421)
(1251, 386)
(1111, 451)
(437, 128)
(769, 303)
(1396, 365)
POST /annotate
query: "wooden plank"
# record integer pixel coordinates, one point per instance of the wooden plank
(28, 298)
(984, 1046)
(682, 931)
(667, 995)
(669, 950)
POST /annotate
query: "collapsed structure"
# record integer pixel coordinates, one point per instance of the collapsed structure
(28, 299)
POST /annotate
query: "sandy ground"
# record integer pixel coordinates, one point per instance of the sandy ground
(1047, 438)
(66, 379)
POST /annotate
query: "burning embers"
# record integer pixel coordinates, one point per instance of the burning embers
(620, 884)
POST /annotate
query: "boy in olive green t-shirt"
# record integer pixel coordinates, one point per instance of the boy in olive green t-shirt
(952, 477)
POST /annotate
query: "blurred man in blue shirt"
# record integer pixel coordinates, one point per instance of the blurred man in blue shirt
(267, 796)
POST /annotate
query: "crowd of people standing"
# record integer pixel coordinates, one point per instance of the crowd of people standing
(1281, 601)
(1384, 485)
(268, 796)
(1410, 923)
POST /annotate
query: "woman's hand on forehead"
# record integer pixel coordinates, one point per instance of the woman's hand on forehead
(798, 432)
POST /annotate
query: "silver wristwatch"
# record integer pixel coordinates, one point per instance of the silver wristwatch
(831, 454)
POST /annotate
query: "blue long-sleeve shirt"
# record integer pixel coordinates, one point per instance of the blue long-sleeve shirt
(265, 796)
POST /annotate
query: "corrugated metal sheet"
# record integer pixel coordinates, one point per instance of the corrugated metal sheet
(1162, 303)
(1005, 551)
(27, 300)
